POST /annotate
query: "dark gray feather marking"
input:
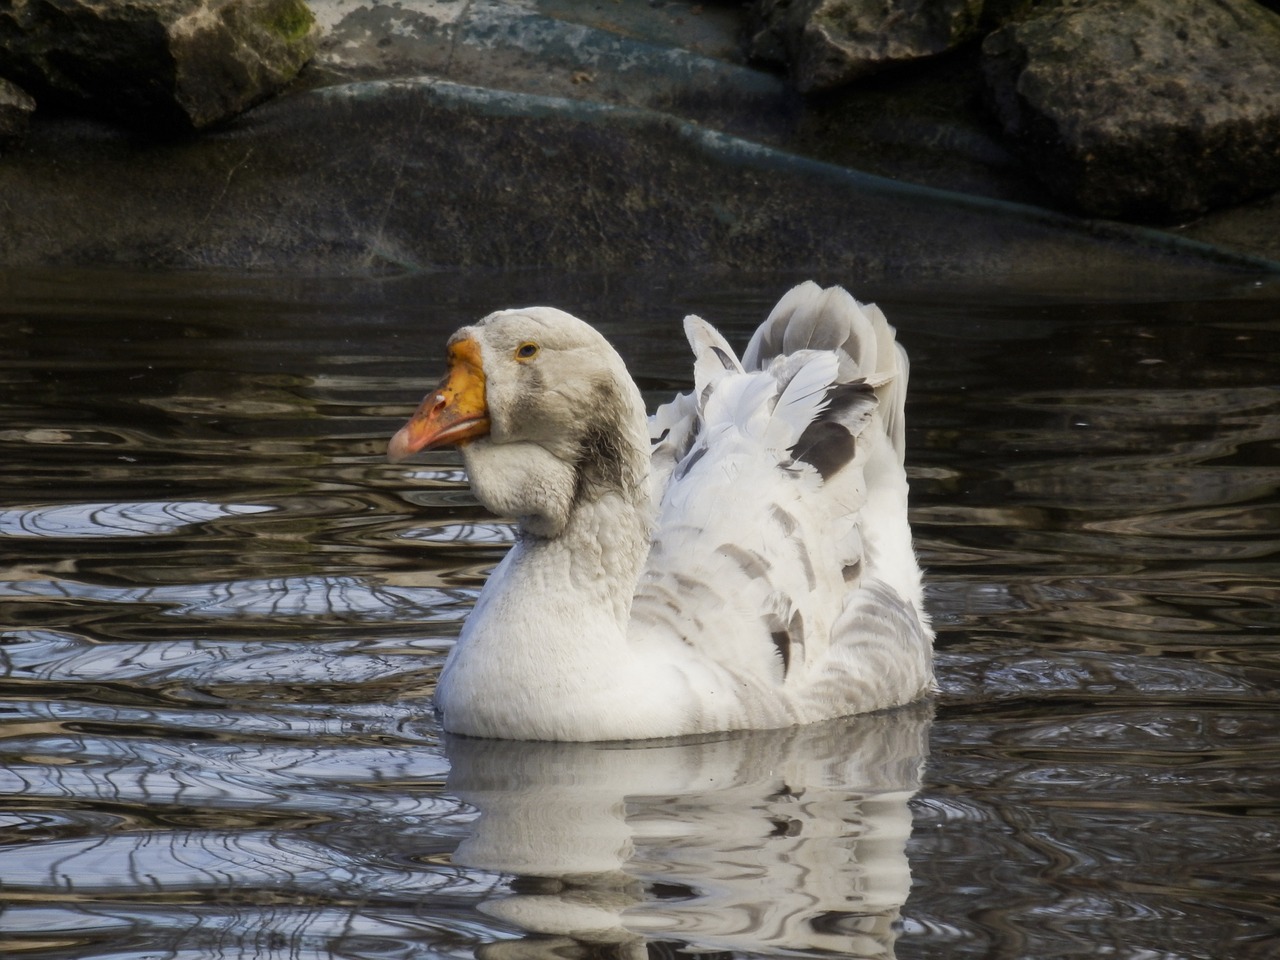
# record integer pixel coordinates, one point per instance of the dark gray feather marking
(826, 445)
(851, 405)
(725, 360)
(795, 629)
(783, 643)
(752, 564)
(695, 431)
(785, 520)
(687, 441)
(789, 639)
(810, 577)
(828, 442)
(647, 610)
(601, 462)
(855, 398)
(687, 464)
(688, 584)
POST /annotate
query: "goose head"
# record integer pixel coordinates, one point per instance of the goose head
(544, 413)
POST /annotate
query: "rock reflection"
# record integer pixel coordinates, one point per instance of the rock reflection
(764, 842)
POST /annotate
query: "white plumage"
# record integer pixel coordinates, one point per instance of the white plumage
(740, 560)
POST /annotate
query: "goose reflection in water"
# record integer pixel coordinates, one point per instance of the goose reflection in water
(785, 841)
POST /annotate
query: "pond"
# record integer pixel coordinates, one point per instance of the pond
(222, 614)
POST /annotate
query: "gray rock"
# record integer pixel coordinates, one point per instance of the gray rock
(421, 173)
(16, 107)
(156, 64)
(1153, 110)
(591, 149)
(561, 48)
(828, 43)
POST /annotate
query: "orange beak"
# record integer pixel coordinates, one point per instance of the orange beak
(455, 413)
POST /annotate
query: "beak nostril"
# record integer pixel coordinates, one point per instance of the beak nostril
(451, 415)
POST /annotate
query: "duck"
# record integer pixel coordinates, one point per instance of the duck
(739, 560)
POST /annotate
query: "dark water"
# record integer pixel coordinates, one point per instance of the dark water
(221, 615)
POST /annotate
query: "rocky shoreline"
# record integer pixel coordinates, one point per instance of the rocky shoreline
(543, 133)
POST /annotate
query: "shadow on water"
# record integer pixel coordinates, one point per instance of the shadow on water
(221, 617)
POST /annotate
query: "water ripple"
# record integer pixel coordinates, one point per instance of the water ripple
(344, 597)
(222, 615)
(191, 862)
(171, 782)
(61, 657)
(84, 520)
(988, 676)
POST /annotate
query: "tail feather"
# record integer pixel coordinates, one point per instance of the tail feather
(894, 405)
(803, 399)
(712, 355)
(769, 340)
(830, 364)
(807, 431)
(810, 318)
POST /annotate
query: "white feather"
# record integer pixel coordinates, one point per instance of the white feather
(802, 399)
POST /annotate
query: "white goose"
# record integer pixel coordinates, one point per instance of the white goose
(741, 560)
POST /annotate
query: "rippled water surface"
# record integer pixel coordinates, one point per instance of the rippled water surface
(221, 617)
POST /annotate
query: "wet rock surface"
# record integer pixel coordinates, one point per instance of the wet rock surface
(160, 66)
(829, 43)
(1155, 110)
(336, 179)
(16, 107)
(666, 57)
(549, 133)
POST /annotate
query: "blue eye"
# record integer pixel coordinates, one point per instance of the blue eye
(526, 351)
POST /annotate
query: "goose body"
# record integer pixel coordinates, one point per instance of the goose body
(740, 560)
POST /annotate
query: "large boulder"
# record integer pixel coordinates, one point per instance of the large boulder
(155, 64)
(660, 57)
(16, 106)
(828, 43)
(1154, 110)
(420, 173)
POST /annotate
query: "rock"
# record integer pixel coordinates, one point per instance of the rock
(828, 43)
(374, 164)
(158, 65)
(419, 173)
(1152, 110)
(16, 106)
(562, 48)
